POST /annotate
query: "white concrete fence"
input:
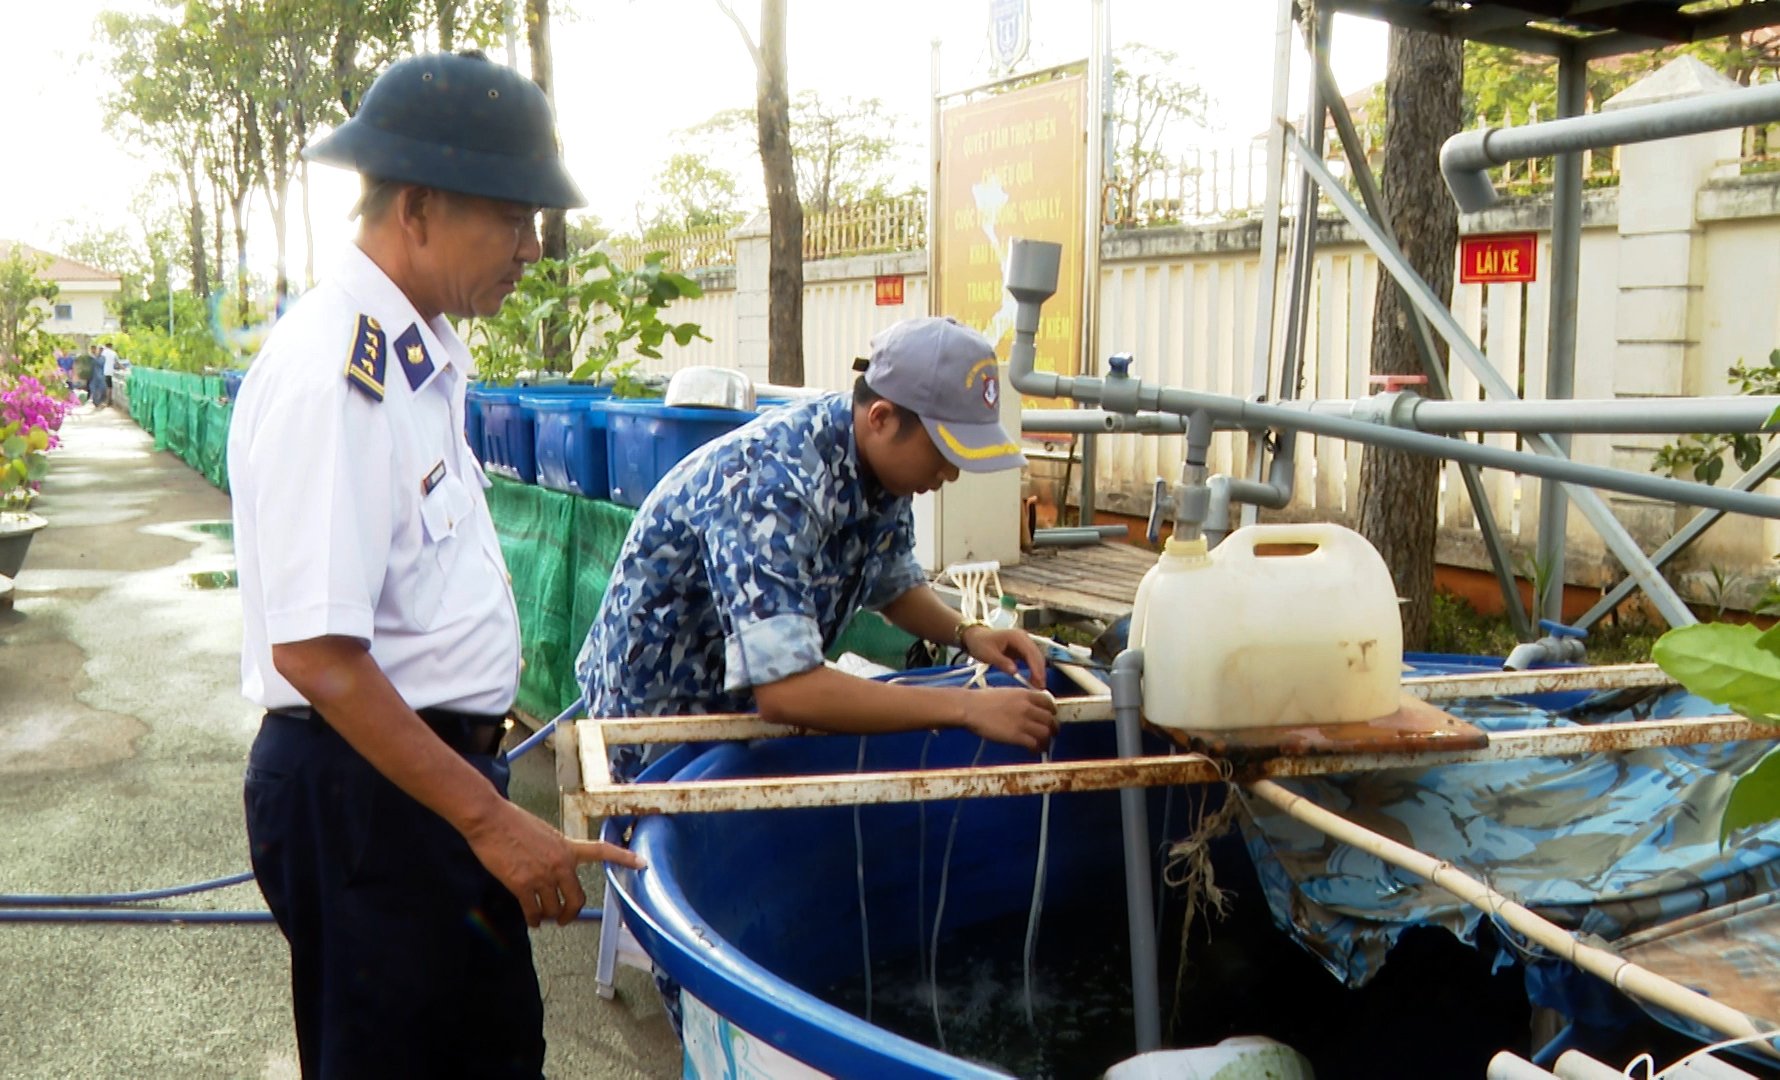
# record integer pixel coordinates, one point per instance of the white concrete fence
(1680, 278)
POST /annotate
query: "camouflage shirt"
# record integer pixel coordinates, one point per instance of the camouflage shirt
(744, 565)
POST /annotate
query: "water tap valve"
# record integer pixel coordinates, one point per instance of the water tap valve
(1161, 509)
(1118, 391)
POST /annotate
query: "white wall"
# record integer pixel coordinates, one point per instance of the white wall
(1183, 301)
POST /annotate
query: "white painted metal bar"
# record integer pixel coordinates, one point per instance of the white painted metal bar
(1620, 973)
(1544, 681)
(1038, 778)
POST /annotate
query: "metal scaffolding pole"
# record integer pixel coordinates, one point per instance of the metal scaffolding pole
(1268, 265)
(1560, 367)
(1612, 533)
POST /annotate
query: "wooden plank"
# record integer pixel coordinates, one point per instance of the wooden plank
(1415, 727)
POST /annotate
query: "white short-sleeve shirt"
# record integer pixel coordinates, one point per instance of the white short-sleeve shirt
(365, 518)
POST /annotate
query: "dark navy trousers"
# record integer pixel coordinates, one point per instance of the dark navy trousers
(408, 959)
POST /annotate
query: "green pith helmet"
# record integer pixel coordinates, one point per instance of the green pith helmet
(457, 123)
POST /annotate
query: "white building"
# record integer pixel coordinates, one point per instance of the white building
(78, 311)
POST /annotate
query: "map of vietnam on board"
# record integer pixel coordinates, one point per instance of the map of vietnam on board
(1012, 167)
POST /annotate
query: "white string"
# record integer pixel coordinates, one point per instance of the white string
(1705, 1050)
(974, 582)
(859, 874)
(939, 912)
(1038, 895)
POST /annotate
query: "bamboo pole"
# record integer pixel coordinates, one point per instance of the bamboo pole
(1622, 974)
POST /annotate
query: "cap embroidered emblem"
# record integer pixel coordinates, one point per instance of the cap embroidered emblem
(991, 390)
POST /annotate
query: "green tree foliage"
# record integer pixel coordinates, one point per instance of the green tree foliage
(586, 231)
(842, 151)
(1147, 101)
(694, 195)
(230, 91)
(25, 296)
(194, 343)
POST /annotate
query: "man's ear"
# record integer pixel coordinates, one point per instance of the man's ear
(415, 209)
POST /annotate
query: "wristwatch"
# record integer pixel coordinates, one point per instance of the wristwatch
(966, 624)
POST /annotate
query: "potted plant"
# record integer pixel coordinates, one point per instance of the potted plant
(30, 417)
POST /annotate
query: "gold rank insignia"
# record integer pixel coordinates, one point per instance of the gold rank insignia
(410, 350)
(364, 364)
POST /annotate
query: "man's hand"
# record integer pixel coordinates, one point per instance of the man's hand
(537, 864)
(1025, 718)
(1004, 649)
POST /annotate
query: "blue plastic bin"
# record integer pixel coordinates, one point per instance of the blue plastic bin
(231, 379)
(646, 438)
(474, 399)
(571, 440)
(508, 437)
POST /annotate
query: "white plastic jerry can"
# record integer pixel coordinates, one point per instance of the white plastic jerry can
(1262, 632)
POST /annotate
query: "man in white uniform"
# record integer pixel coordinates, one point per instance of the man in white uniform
(379, 624)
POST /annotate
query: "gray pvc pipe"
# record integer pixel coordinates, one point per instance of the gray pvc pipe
(1126, 681)
(1466, 156)
(1645, 416)
(1096, 422)
(1076, 535)
(1249, 414)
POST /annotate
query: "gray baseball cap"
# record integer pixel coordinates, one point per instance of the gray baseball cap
(946, 373)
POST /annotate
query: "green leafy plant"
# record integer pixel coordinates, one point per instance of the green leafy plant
(1702, 456)
(589, 302)
(1738, 667)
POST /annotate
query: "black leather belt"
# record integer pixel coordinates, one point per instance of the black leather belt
(466, 733)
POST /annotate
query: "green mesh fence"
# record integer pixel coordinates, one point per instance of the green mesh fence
(560, 549)
(186, 415)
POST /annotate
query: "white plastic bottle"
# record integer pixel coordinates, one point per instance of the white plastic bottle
(1006, 616)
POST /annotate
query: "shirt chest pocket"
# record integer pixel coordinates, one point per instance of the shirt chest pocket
(444, 518)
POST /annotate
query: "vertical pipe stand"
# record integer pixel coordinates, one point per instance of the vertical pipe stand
(1127, 697)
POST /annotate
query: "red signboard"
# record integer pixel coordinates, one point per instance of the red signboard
(1503, 257)
(890, 290)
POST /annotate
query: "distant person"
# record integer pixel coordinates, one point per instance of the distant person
(109, 355)
(65, 364)
(96, 396)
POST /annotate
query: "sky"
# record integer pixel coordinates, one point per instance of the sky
(630, 75)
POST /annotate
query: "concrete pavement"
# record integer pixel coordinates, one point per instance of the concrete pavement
(122, 740)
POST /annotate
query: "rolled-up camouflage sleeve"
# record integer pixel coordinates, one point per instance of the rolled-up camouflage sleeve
(897, 570)
(756, 556)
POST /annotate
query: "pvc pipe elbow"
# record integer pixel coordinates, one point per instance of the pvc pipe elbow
(1463, 161)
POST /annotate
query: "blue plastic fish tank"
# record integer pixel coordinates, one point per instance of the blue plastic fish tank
(900, 940)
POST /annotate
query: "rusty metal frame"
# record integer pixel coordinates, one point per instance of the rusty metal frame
(597, 799)
(734, 727)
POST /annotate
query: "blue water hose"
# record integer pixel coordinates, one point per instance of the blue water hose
(79, 907)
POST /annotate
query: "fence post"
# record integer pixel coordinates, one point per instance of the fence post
(753, 244)
(1661, 273)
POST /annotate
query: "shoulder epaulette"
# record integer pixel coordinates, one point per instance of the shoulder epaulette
(364, 364)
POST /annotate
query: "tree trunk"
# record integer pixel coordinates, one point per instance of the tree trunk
(308, 225)
(554, 230)
(195, 229)
(784, 305)
(1399, 492)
